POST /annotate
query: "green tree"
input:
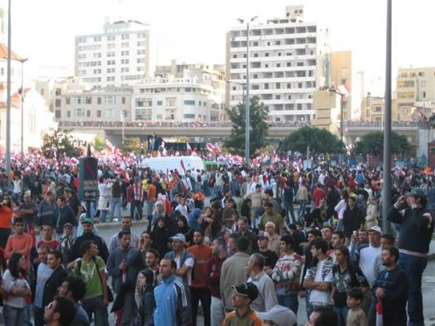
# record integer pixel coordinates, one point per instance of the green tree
(373, 143)
(319, 141)
(131, 145)
(61, 142)
(258, 127)
(99, 143)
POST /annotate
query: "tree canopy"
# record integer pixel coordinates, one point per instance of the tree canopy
(99, 143)
(319, 141)
(258, 127)
(373, 143)
(60, 142)
(131, 145)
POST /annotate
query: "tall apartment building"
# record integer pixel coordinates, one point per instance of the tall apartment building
(289, 59)
(117, 57)
(413, 85)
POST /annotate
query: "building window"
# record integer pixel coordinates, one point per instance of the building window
(68, 100)
(58, 92)
(109, 113)
(189, 116)
(189, 102)
(57, 103)
(423, 94)
(58, 114)
(68, 114)
(79, 113)
(88, 100)
(123, 100)
(159, 103)
(88, 113)
(98, 100)
(98, 113)
(110, 100)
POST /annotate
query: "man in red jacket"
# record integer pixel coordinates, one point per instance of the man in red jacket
(213, 275)
(198, 288)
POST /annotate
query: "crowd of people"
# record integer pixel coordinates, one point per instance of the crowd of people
(231, 246)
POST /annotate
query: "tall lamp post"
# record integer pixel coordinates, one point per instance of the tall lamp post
(247, 113)
(241, 84)
(8, 106)
(342, 96)
(386, 190)
(22, 108)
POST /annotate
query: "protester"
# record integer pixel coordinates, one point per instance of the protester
(172, 297)
(74, 288)
(417, 226)
(42, 275)
(392, 288)
(60, 312)
(212, 276)
(16, 289)
(233, 272)
(198, 289)
(243, 297)
(146, 303)
(356, 316)
(19, 242)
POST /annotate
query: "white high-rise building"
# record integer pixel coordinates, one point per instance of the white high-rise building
(118, 57)
(289, 59)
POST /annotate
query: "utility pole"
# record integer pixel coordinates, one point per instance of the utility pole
(386, 190)
(8, 106)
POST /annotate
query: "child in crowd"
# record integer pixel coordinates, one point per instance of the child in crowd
(356, 316)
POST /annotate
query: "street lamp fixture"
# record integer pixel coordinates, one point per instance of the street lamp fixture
(22, 95)
(247, 113)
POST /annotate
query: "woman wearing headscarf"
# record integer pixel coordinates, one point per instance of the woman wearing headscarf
(145, 298)
(183, 228)
(161, 237)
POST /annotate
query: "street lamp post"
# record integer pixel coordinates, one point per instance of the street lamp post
(8, 106)
(243, 88)
(386, 190)
(247, 111)
(22, 109)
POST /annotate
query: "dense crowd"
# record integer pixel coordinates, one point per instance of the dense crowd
(250, 245)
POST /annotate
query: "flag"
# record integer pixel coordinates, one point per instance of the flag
(422, 114)
(380, 313)
(189, 149)
(344, 91)
(182, 166)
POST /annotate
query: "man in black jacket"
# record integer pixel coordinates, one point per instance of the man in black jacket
(392, 288)
(417, 226)
(66, 215)
(56, 279)
(88, 228)
(353, 218)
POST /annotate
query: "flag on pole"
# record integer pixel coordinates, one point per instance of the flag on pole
(380, 313)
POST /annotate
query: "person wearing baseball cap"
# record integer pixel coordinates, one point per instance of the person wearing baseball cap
(184, 259)
(278, 316)
(243, 295)
(417, 226)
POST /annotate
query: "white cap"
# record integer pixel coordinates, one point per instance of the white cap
(376, 229)
(281, 316)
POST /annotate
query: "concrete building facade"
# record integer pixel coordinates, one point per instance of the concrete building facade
(341, 74)
(289, 59)
(413, 85)
(118, 57)
(373, 109)
(75, 101)
(173, 99)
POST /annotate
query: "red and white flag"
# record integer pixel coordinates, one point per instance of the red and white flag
(380, 313)
(189, 149)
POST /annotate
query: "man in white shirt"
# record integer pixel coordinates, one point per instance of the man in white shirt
(319, 277)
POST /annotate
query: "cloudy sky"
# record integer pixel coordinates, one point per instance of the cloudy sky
(194, 30)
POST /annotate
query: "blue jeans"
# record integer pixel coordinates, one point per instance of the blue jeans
(95, 306)
(115, 207)
(303, 205)
(341, 315)
(256, 215)
(103, 214)
(13, 316)
(290, 301)
(414, 268)
(289, 211)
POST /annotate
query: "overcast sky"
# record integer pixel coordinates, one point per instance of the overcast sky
(194, 30)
